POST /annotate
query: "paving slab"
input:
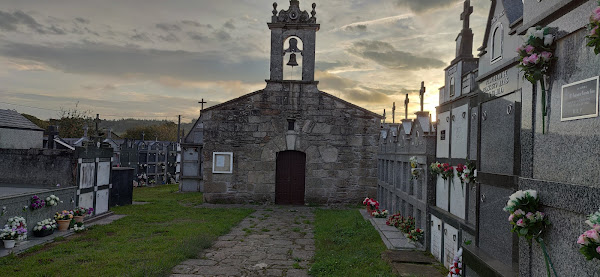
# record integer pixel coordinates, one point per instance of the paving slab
(273, 241)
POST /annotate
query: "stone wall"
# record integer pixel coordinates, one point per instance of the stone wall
(37, 167)
(339, 140)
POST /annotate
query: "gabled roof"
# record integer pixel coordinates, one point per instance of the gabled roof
(14, 120)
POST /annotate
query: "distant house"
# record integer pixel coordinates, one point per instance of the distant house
(17, 132)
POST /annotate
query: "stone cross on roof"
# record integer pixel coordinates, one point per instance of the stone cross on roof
(464, 16)
(422, 93)
(394, 112)
(406, 101)
(383, 115)
(201, 102)
(97, 121)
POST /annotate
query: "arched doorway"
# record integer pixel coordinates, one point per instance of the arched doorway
(289, 178)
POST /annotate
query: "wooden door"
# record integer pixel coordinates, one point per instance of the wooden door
(289, 178)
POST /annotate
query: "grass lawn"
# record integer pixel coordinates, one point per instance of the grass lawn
(151, 240)
(347, 245)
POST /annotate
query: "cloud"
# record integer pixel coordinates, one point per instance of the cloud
(169, 38)
(128, 61)
(222, 35)
(229, 24)
(196, 24)
(10, 22)
(325, 66)
(348, 89)
(357, 28)
(140, 36)
(386, 54)
(168, 27)
(421, 6)
(82, 20)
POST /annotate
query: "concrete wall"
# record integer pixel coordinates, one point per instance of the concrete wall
(37, 167)
(14, 206)
(339, 140)
(20, 139)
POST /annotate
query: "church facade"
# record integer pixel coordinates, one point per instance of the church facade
(289, 143)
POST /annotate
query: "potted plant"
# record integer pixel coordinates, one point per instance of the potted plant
(80, 212)
(16, 229)
(63, 219)
(45, 227)
(37, 202)
(78, 227)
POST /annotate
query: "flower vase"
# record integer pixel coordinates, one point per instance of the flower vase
(79, 218)
(43, 233)
(9, 243)
(63, 225)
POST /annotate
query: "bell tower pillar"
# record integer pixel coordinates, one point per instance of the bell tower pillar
(297, 23)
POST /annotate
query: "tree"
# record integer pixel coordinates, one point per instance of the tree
(71, 122)
(166, 131)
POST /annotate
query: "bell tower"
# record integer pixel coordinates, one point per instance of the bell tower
(293, 24)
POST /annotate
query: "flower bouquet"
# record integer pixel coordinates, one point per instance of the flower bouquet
(456, 266)
(447, 172)
(371, 204)
(415, 235)
(78, 227)
(37, 203)
(380, 214)
(590, 239)
(435, 168)
(45, 227)
(407, 225)
(535, 59)
(394, 220)
(414, 171)
(527, 220)
(52, 200)
(594, 30)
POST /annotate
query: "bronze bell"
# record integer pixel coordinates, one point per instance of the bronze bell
(292, 61)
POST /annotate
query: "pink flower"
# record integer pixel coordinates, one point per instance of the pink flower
(529, 216)
(520, 223)
(582, 239)
(529, 49)
(511, 217)
(520, 48)
(546, 56)
(597, 227)
(525, 60)
(598, 249)
(519, 212)
(595, 17)
(597, 10)
(592, 234)
(534, 58)
(594, 31)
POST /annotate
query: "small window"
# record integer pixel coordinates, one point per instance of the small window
(452, 86)
(497, 43)
(291, 124)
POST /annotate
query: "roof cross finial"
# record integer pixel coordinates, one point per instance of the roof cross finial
(422, 93)
(406, 101)
(464, 16)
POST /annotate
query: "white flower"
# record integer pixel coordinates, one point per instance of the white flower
(548, 39)
(539, 34)
(531, 31)
(531, 193)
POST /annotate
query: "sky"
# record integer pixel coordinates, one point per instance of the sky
(157, 59)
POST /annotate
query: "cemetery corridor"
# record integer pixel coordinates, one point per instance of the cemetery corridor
(273, 241)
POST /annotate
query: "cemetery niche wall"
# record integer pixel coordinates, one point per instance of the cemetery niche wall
(398, 188)
(290, 142)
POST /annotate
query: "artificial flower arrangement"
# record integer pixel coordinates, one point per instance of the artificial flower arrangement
(78, 227)
(467, 173)
(380, 214)
(52, 200)
(64, 215)
(527, 220)
(415, 235)
(44, 227)
(371, 203)
(447, 171)
(414, 171)
(594, 30)
(456, 266)
(435, 168)
(590, 239)
(15, 229)
(535, 58)
(81, 211)
(37, 203)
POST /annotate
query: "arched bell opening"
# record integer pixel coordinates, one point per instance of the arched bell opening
(292, 58)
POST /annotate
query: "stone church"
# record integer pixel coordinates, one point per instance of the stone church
(289, 143)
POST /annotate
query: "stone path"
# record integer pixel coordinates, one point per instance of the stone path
(273, 241)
